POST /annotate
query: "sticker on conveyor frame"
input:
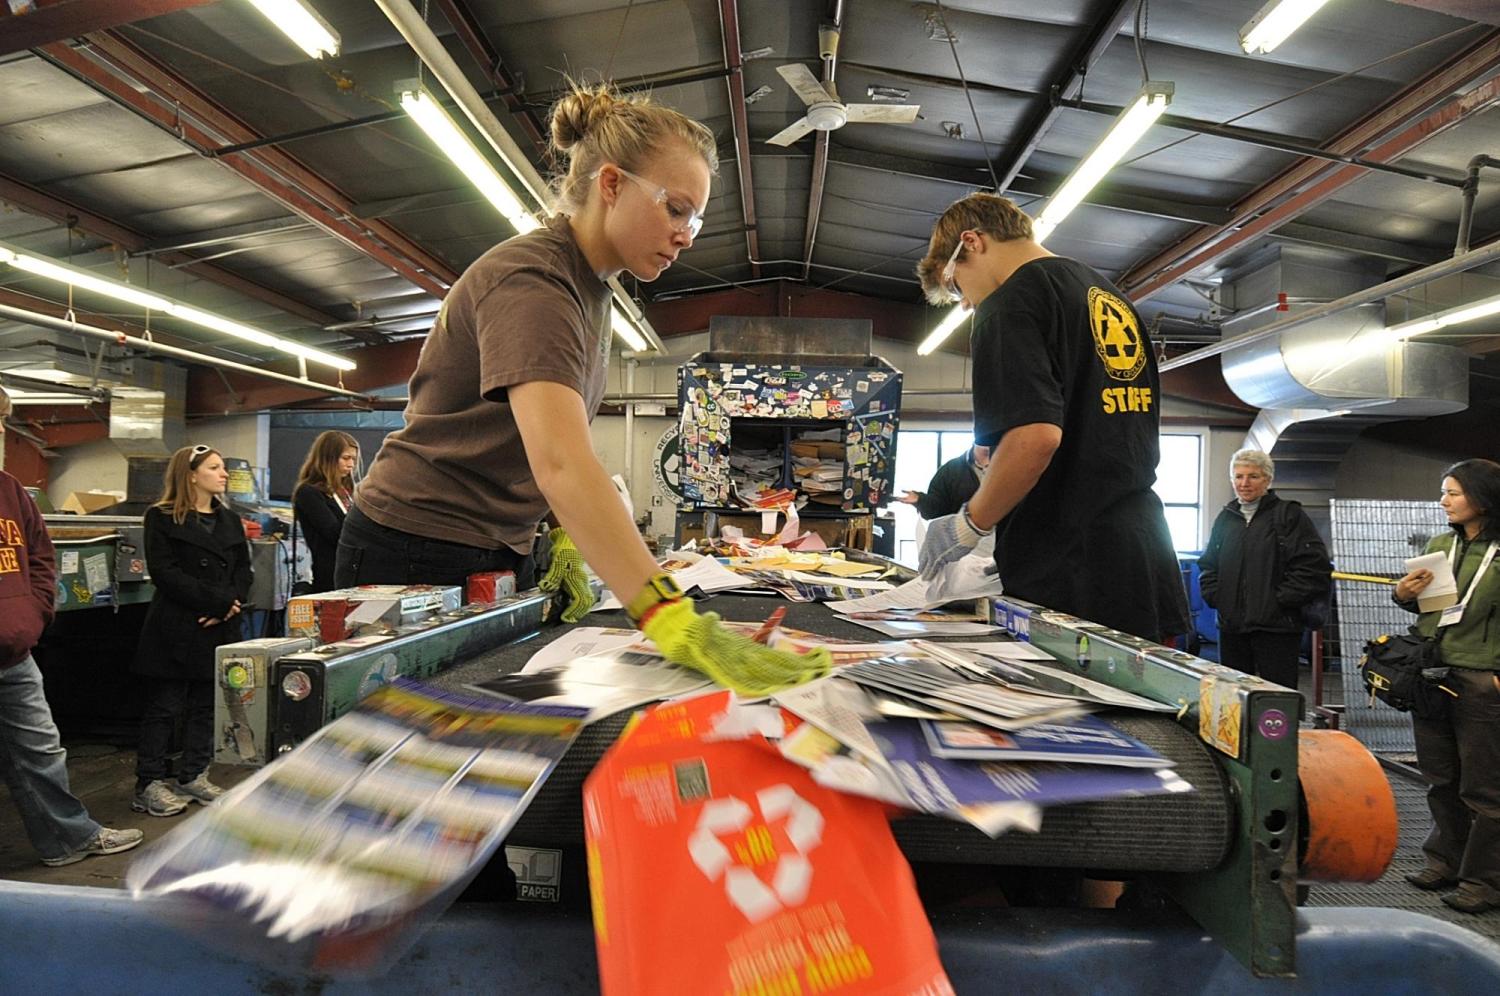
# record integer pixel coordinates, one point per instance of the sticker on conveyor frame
(1219, 714)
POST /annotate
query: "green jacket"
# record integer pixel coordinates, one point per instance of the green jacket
(1473, 641)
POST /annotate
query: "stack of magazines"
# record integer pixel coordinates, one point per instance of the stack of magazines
(972, 737)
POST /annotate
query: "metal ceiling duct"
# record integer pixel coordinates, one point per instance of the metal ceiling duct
(1340, 364)
(1322, 383)
(146, 399)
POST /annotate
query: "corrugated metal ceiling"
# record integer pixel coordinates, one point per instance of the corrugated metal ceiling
(884, 186)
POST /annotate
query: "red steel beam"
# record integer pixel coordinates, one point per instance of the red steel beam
(47, 21)
(1478, 61)
(45, 421)
(176, 107)
(216, 392)
(45, 205)
(485, 55)
(1414, 135)
(729, 20)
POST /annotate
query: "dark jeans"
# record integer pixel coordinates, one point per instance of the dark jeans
(1459, 753)
(166, 700)
(370, 553)
(1273, 656)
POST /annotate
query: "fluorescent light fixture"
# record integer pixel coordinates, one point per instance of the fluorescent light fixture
(447, 136)
(952, 320)
(84, 280)
(19, 397)
(299, 22)
(1275, 22)
(1128, 128)
(74, 277)
(626, 330)
(1442, 319)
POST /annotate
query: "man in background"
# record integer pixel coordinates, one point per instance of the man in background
(954, 483)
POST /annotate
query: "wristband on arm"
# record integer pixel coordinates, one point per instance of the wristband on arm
(659, 589)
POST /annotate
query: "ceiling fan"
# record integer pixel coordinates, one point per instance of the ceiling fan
(826, 112)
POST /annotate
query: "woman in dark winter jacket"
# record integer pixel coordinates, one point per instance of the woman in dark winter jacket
(1264, 562)
(200, 566)
(324, 492)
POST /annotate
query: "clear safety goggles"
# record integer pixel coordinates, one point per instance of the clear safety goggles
(682, 217)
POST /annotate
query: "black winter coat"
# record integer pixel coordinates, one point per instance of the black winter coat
(1260, 574)
(196, 573)
(322, 520)
(954, 483)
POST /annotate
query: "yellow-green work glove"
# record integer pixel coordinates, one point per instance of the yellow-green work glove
(698, 641)
(567, 574)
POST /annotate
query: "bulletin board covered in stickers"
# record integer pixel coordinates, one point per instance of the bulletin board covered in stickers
(826, 431)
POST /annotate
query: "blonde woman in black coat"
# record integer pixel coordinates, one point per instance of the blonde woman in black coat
(200, 566)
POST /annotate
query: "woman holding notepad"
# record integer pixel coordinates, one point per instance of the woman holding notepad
(1459, 751)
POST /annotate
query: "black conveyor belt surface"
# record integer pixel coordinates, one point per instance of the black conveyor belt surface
(1187, 833)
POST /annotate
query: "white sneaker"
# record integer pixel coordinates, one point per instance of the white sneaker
(157, 799)
(104, 841)
(199, 790)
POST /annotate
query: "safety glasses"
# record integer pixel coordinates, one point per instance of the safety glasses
(949, 287)
(682, 217)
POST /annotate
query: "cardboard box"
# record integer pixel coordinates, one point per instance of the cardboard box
(490, 587)
(90, 502)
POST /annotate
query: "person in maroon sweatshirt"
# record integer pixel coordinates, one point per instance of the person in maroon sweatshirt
(32, 758)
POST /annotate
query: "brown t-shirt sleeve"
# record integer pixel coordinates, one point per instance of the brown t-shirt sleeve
(530, 327)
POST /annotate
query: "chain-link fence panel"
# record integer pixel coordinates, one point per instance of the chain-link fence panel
(1375, 538)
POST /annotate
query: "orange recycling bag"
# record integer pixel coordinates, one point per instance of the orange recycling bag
(716, 866)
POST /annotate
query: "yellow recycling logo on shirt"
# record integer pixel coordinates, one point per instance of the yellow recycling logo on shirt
(1117, 336)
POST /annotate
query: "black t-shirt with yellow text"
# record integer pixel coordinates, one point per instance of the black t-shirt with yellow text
(1058, 343)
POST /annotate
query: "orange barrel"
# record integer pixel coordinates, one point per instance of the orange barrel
(1350, 813)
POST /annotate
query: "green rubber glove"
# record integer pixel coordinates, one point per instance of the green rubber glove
(698, 641)
(567, 574)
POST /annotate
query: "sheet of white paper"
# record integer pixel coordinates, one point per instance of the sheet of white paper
(1443, 581)
(959, 581)
(707, 575)
(68, 561)
(1013, 650)
(367, 612)
(583, 641)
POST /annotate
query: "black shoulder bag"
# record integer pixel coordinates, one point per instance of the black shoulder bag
(1406, 672)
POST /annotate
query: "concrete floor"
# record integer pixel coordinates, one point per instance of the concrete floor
(103, 777)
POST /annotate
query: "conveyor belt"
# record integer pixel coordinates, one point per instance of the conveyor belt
(1184, 833)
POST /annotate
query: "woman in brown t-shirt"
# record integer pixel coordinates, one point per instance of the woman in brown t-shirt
(497, 426)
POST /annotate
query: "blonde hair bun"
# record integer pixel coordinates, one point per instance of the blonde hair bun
(580, 113)
(594, 125)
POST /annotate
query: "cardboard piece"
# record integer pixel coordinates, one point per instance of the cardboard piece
(91, 502)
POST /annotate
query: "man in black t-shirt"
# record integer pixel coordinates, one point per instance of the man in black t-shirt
(1067, 395)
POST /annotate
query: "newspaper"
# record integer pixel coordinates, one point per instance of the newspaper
(338, 852)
